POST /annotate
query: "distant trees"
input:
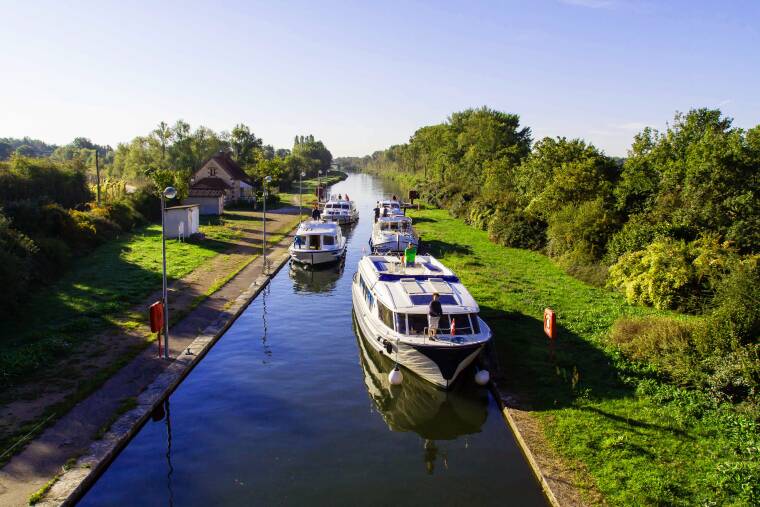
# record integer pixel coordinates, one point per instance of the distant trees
(25, 146)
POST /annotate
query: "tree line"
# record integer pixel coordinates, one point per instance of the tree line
(674, 225)
(47, 211)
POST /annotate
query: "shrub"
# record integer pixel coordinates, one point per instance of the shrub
(517, 230)
(146, 202)
(666, 342)
(16, 264)
(25, 178)
(635, 235)
(660, 275)
(582, 229)
(53, 255)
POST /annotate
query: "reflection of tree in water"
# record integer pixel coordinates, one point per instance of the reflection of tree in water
(418, 406)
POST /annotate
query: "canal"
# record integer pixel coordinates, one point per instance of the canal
(289, 408)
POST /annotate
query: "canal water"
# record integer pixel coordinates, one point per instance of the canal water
(289, 408)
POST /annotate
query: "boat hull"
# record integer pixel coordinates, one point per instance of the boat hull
(439, 364)
(341, 219)
(316, 257)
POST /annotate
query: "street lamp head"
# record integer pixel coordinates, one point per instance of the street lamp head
(320, 172)
(267, 179)
(303, 173)
(170, 192)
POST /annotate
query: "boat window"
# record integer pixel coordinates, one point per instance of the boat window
(313, 242)
(385, 314)
(425, 299)
(475, 323)
(401, 323)
(462, 321)
(300, 241)
(367, 294)
(417, 323)
(328, 240)
(344, 206)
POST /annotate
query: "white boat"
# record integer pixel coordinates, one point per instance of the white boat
(419, 406)
(341, 211)
(390, 208)
(391, 305)
(317, 243)
(393, 234)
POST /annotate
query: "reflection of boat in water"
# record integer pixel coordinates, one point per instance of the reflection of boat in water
(417, 405)
(315, 278)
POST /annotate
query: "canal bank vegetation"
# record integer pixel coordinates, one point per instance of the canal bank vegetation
(643, 438)
(672, 232)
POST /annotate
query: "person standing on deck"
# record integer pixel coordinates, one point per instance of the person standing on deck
(377, 211)
(435, 311)
(315, 213)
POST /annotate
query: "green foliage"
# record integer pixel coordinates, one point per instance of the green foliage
(517, 230)
(24, 178)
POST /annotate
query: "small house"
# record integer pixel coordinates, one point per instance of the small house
(182, 221)
(222, 174)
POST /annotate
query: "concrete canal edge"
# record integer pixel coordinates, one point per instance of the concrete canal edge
(555, 477)
(73, 482)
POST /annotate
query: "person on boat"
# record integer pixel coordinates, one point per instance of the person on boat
(394, 198)
(347, 198)
(377, 211)
(297, 242)
(435, 311)
(340, 197)
(410, 253)
(315, 213)
(385, 211)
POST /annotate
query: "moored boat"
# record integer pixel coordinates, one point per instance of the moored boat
(339, 210)
(393, 234)
(317, 243)
(391, 302)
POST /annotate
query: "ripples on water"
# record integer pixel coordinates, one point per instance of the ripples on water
(289, 407)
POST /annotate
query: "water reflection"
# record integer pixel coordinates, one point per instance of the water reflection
(163, 412)
(315, 279)
(420, 407)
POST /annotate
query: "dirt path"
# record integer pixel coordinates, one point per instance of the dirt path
(122, 355)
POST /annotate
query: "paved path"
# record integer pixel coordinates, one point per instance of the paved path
(74, 432)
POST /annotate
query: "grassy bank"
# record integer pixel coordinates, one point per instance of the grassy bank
(642, 440)
(309, 187)
(99, 291)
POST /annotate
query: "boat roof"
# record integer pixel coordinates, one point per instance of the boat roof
(390, 202)
(411, 288)
(394, 218)
(315, 227)
(334, 199)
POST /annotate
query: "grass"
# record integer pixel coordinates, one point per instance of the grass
(38, 495)
(133, 266)
(642, 440)
(309, 188)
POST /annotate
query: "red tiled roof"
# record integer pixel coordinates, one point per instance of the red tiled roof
(210, 184)
(228, 164)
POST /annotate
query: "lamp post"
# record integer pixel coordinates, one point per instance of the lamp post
(300, 197)
(319, 185)
(168, 193)
(267, 179)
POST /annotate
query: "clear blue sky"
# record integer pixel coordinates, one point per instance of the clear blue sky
(364, 75)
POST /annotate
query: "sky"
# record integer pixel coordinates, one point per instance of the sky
(362, 76)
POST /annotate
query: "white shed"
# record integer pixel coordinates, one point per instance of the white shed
(182, 221)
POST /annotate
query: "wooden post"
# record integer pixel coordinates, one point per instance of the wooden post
(97, 173)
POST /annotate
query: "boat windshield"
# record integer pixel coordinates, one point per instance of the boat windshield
(328, 240)
(395, 226)
(416, 323)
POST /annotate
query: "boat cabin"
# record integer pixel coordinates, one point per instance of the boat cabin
(401, 293)
(401, 224)
(317, 236)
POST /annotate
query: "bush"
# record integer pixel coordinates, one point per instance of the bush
(24, 178)
(665, 342)
(635, 235)
(517, 230)
(16, 264)
(582, 229)
(53, 255)
(146, 202)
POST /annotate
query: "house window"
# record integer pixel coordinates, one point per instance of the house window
(212, 171)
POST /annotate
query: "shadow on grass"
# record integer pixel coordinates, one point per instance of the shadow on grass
(547, 374)
(439, 248)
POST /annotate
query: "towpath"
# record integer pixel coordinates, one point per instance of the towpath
(197, 299)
